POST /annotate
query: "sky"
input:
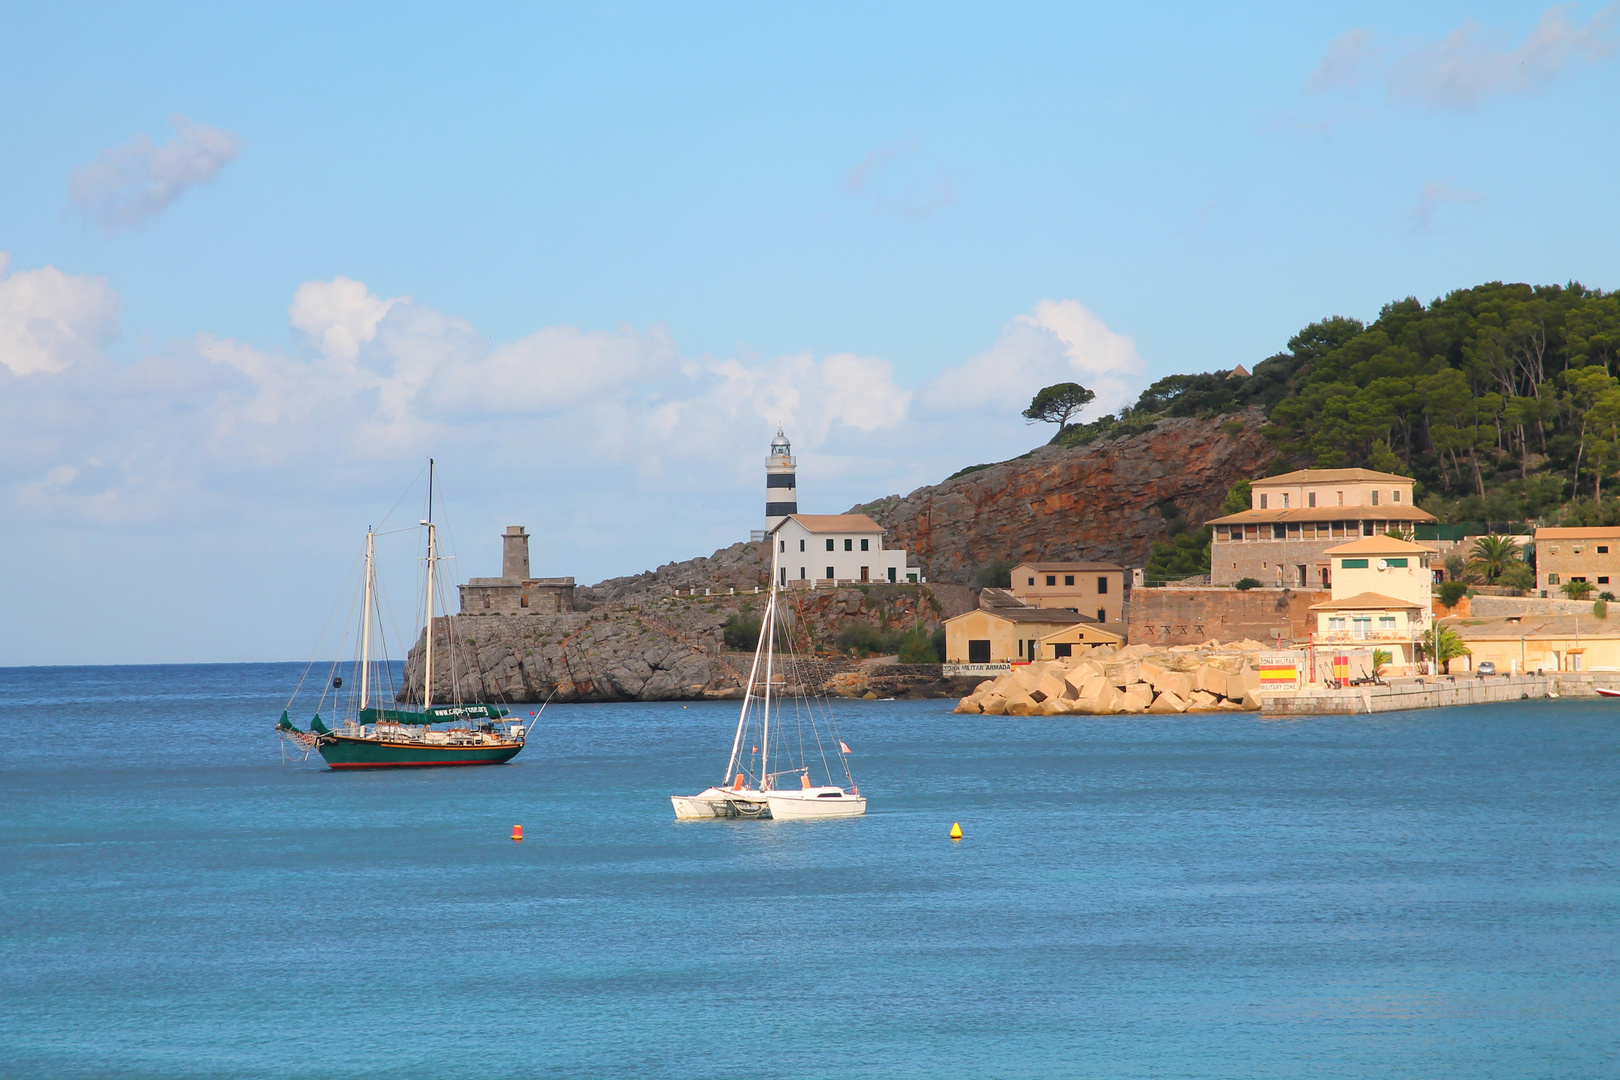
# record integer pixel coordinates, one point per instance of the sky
(259, 262)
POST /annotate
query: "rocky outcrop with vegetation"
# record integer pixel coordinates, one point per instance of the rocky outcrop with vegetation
(1107, 500)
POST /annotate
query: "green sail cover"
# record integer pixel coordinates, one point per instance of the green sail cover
(286, 724)
(317, 727)
(436, 714)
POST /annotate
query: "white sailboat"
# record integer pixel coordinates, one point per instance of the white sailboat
(793, 733)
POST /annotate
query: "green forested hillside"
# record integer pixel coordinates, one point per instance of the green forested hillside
(1501, 400)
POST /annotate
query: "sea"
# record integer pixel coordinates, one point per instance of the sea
(1425, 894)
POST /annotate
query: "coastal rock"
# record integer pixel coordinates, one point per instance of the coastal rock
(1108, 500)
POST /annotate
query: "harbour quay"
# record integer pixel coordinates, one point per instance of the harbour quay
(1434, 691)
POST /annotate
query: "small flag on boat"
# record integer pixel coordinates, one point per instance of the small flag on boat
(842, 746)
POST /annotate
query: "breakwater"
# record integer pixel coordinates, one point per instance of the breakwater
(1437, 691)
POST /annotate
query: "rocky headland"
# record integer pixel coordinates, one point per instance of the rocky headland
(659, 635)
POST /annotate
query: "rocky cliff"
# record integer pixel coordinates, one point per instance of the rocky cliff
(650, 647)
(1108, 500)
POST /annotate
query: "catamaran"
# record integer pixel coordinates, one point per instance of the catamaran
(372, 737)
(790, 741)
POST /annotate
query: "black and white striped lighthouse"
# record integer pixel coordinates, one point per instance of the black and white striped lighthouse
(781, 490)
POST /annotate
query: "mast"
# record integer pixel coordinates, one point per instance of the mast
(427, 681)
(768, 633)
(365, 630)
(748, 691)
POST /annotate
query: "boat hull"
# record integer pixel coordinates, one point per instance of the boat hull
(1604, 691)
(813, 803)
(343, 752)
(720, 803)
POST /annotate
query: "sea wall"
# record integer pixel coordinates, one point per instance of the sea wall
(1434, 692)
(1192, 616)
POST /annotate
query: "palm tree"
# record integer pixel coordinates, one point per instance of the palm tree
(1491, 557)
(1444, 644)
(1380, 658)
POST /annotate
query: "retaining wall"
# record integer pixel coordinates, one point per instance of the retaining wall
(1193, 616)
(1434, 692)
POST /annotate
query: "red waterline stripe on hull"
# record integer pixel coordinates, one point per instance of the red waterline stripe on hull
(405, 764)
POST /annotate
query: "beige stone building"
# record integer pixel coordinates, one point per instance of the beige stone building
(1531, 643)
(515, 592)
(1591, 555)
(1014, 635)
(1292, 520)
(1381, 597)
(1095, 588)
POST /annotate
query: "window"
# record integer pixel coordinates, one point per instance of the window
(1020, 646)
(1395, 496)
(829, 573)
(978, 651)
(1102, 586)
(1361, 627)
(1279, 532)
(1603, 579)
(1336, 625)
(1262, 502)
(1552, 579)
(864, 543)
(1051, 579)
(801, 545)
(804, 572)
(1102, 614)
(1068, 579)
(784, 575)
(1285, 500)
(1352, 564)
(829, 545)
(1367, 529)
(849, 545)
(1062, 648)
(1375, 497)
(1386, 622)
(1581, 578)
(1341, 498)
(1032, 581)
(1310, 498)
(1395, 562)
(1603, 549)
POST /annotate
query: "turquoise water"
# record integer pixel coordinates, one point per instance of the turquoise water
(1410, 895)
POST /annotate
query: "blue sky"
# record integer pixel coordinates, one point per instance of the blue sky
(263, 260)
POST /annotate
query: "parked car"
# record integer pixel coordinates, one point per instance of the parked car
(1486, 668)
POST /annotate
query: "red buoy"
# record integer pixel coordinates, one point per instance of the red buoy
(517, 832)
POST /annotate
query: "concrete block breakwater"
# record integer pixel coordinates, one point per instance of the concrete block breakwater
(1435, 692)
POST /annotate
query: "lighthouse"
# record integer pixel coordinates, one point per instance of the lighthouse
(781, 490)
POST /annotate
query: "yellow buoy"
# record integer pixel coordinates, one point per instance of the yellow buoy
(517, 832)
(956, 831)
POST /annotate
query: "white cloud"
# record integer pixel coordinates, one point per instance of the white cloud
(1420, 218)
(1470, 63)
(1059, 341)
(336, 317)
(898, 183)
(50, 320)
(125, 186)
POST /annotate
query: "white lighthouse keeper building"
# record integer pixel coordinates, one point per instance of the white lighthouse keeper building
(827, 549)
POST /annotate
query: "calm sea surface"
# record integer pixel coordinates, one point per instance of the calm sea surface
(1408, 895)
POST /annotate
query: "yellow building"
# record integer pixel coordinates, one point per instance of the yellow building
(1015, 634)
(1531, 643)
(1578, 554)
(1095, 588)
(1381, 596)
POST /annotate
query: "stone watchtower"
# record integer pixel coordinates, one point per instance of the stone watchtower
(515, 592)
(781, 488)
(515, 554)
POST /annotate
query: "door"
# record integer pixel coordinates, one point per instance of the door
(979, 651)
(866, 573)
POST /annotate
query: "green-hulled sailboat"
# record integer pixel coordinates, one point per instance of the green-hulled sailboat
(433, 735)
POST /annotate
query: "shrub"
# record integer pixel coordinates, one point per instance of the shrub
(995, 574)
(864, 639)
(1245, 584)
(917, 647)
(1452, 591)
(939, 643)
(1605, 595)
(1600, 609)
(741, 631)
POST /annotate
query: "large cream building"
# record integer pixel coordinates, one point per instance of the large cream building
(1381, 597)
(1293, 519)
